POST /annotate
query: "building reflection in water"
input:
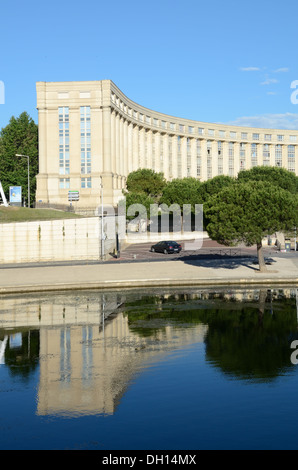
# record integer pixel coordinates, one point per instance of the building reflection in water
(88, 353)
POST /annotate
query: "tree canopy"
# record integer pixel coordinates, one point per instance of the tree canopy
(146, 181)
(20, 136)
(181, 191)
(278, 176)
(247, 211)
(212, 186)
(133, 200)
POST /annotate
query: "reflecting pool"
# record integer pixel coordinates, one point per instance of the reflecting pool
(152, 370)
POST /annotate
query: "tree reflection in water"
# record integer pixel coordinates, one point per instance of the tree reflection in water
(246, 339)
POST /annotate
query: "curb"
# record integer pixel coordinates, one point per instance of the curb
(135, 283)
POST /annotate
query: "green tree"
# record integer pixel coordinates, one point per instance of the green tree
(146, 181)
(212, 186)
(20, 136)
(278, 176)
(132, 199)
(247, 211)
(181, 191)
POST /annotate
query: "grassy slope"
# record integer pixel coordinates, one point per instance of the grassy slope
(24, 214)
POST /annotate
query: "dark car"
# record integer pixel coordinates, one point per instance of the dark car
(167, 247)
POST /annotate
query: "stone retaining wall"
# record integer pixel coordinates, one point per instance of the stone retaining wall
(53, 240)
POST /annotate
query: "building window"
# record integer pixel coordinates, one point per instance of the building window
(170, 147)
(198, 158)
(268, 137)
(278, 155)
(266, 154)
(254, 154)
(85, 140)
(291, 158)
(231, 158)
(242, 155)
(244, 135)
(63, 140)
(280, 138)
(86, 182)
(291, 151)
(179, 144)
(255, 136)
(220, 158)
(64, 183)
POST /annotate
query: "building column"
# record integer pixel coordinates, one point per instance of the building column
(183, 157)
(130, 167)
(135, 147)
(157, 152)
(214, 158)
(225, 158)
(125, 148)
(106, 122)
(166, 156)
(272, 155)
(142, 148)
(204, 160)
(236, 158)
(285, 156)
(260, 150)
(174, 157)
(149, 149)
(107, 177)
(121, 146)
(113, 140)
(193, 158)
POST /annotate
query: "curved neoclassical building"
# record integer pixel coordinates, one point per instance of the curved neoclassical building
(91, 134)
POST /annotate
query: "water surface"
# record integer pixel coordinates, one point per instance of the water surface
(151, 370)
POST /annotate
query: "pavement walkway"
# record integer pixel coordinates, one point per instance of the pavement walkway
(187, 271)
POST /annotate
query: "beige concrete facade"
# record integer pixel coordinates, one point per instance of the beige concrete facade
(91, 134)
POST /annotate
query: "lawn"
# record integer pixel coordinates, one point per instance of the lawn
(25, 214)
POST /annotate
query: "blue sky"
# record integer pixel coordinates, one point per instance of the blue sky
(230, 62)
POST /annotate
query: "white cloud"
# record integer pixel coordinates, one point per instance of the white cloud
(271, 93)
(249, 69)
(268, 121)
(269, 81)
(281, 70)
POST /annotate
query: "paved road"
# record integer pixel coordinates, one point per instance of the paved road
(142, 251)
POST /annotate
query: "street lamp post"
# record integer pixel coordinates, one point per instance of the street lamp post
(102, 231)
(26, 156)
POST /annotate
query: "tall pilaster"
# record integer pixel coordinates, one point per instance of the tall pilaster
(204, 160)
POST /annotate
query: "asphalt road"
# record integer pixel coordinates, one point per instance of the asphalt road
(210, 248)
(138, 252)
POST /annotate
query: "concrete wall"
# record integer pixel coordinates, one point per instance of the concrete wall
(54, 240)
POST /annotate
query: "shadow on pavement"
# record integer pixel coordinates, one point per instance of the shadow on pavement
(224, 262)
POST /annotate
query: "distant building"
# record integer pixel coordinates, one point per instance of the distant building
(91, 134)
